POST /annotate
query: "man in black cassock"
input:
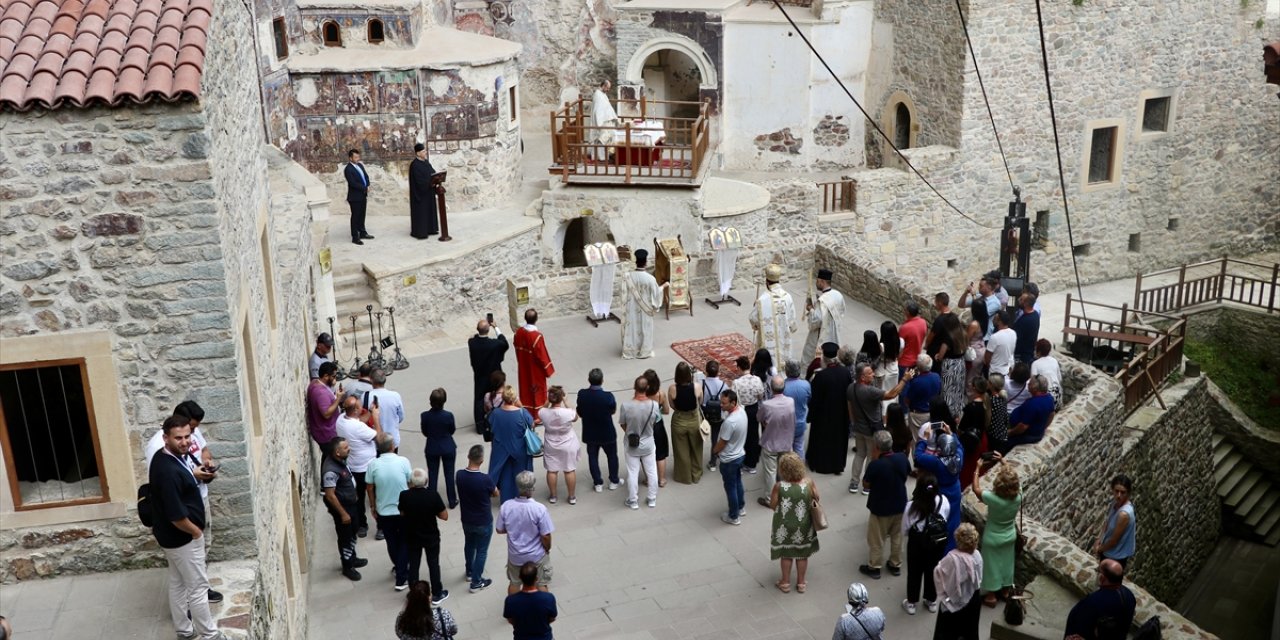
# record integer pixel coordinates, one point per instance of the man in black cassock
(486, 348)
(829, 415)
(422, 196)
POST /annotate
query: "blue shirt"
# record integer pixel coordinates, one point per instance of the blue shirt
(887, 477)
(1128, 540)
(993, 307)
(920, 392)
(1027, 327)
(389, 475)
(530, 613)
(475, 488)
(799, 390)
(1035, 412)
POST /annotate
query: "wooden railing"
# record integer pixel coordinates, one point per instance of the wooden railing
(677, 158)
(838, 196)
(1214, 281)
(1140, 357)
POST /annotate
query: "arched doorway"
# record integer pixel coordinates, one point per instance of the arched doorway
(670, 74)
(902, 126)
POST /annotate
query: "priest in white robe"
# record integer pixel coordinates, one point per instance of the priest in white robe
(824, 316)
(603, 115)
(774, 317)
(644, 296)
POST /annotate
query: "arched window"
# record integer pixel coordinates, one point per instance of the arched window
(902, 126)
(375, 31)
(332, 34)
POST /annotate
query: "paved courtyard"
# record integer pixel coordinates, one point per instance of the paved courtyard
(675, 571)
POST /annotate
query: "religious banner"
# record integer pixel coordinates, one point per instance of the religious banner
(672, 266)
(602, 258)
(725, 242)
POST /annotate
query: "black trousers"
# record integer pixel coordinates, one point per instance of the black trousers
(433, 466)
(417, 547)
(357, 219)
(961, 625)
(346, 536)
(715, 436)
(922, 557)
(359, 518)
(752, 445)
(593, 461)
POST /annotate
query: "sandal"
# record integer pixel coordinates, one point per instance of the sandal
(662, 483)
(800, 586)
(989, 600)
(784, 587)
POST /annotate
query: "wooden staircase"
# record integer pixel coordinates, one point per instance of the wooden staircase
(1246, 491)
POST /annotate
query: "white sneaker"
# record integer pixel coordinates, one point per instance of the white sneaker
(653, 502)
(599, 488)
(909, 607)
(613, 486)
(634, 504)
(724, 517)
(931, 605)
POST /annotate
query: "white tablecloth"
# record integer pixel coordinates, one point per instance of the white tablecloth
(652, 132)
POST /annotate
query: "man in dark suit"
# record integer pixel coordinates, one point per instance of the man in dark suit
(596, 408)
(357, 195)
(487, 349)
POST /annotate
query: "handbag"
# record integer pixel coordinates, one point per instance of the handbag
(970, 354)
(1015, 606)
(818, 516)
(532, 443)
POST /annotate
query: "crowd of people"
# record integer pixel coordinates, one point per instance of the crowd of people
(935, 404)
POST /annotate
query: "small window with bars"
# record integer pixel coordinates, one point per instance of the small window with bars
(49, 435)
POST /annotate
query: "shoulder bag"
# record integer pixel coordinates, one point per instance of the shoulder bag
(532, 443)
(817, 515)
(633, 437)
(441, 630)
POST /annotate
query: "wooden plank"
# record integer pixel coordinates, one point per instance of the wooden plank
(1135, 338)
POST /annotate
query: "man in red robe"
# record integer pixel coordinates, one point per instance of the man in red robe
(534, 364)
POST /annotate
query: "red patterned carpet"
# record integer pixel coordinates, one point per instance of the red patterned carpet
(724, 348)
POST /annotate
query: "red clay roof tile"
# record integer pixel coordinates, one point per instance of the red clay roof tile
(77, 53)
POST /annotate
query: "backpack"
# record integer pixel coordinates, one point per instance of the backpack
(935, 528)
(711, 410)
(145, 512)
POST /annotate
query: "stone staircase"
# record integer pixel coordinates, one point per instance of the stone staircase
(351, 294)
(1246, 491)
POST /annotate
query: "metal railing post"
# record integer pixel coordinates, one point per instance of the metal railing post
(1222, 279)
(1066, 321)
(1275, 279)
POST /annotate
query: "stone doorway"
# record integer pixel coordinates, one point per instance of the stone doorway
(670, 74)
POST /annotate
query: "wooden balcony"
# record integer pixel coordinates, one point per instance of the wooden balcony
(642, 150)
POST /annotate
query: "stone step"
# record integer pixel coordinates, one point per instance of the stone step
(356, 279)
(1226, 467)
(1216, 439)
(1262, 509)
(1221, 449)
(1234, 477)
(1270, 526)
(1252, 498)
(1242, 489)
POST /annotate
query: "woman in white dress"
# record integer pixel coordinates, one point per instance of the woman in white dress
(560, 447)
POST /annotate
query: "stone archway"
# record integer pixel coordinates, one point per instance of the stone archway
(684, 67)
(900, 122)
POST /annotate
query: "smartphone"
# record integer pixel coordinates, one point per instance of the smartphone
(213, 469)
(488, 317)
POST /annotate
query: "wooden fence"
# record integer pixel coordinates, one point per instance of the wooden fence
(1140, 357)
(838, 196)
(626, 153)
(1211, 282)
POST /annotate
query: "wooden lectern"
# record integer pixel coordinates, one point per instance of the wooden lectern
(437, 183)
(671, 265)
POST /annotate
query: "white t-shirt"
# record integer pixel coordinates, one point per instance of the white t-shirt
(1000, 346)
(198, 444)
(1049, 368)
(390, 411)
(360, 437)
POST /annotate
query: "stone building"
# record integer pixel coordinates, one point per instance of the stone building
(154, 251)
(381, 76)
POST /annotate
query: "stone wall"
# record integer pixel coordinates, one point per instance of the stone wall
(567, 43)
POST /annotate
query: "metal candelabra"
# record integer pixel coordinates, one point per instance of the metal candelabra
(398, 362)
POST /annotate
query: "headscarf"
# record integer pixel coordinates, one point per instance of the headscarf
(947, 452)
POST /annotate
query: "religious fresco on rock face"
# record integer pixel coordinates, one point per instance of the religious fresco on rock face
(453, 122)
(447, 87)
(398, 91)
(324, 140)
(355, 93)
(313, 94)
(473, 22)
(277, 95)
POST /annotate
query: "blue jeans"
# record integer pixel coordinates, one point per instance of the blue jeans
(475, 549)
(732, 473)
(397, 549)
(797, 445)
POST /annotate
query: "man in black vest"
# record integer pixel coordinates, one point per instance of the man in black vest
(487, 348)
(357, 195)
(178, 527)
(341, 498)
